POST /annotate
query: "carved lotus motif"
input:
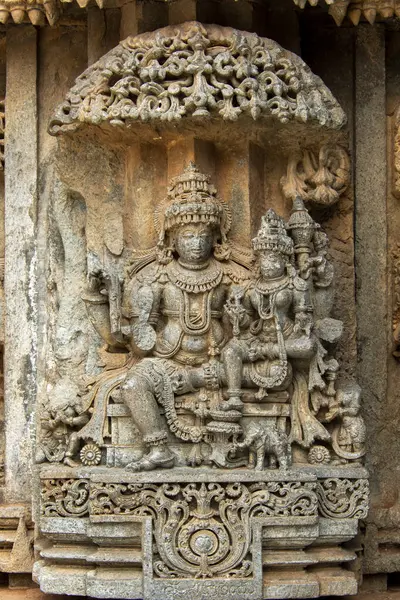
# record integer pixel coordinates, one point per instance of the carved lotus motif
(90, 455)
(319, 455)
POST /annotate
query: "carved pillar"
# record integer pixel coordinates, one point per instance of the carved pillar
(103, 31)
(20, 261)
(129, 18)
(186, 149)
(382, 553)
(238, 170)
(241, 179)
(145, 184)
(371, 226)
(181, 11)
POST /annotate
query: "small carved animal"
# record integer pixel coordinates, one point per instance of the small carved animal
(264, 440)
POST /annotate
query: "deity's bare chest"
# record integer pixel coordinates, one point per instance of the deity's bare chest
(268, 304)
(175, 300)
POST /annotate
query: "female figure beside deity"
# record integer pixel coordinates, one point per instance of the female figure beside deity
(274, 346)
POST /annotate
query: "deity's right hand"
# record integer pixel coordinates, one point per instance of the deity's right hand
(97, 282)
(234, 309)
(332, 414)
(255, 352)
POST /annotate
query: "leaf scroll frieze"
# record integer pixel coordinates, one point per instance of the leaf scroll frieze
(65, 497)
(343, 498)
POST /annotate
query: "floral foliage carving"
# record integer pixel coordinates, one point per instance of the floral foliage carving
(343, 498)
(196, 70)
(65, 497)
(318, 178)
(204, 530)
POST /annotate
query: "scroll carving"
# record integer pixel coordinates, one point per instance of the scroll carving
(203, 530)
(215, 424)
(212, 522)
(196, 70)
(343, 498)
(65, 497)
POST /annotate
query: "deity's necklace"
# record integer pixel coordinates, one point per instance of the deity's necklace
(193, 266)
(264, 381)
(195, 278)
(200, 322)
(270, 286)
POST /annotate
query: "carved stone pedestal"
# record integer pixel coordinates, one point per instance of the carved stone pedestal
(209, 533)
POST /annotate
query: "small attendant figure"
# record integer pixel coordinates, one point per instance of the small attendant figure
(348, 438)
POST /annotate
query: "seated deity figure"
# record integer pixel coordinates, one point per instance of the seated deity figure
(274, 346)
(173, 320)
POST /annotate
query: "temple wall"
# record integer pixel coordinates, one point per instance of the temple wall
(67, 203)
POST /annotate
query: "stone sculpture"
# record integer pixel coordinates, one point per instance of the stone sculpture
(348, 437)
(207, 338)
(356, 9)
(60, 441)
(225, 367)
(320, 179)
(174, 307)
(265, 440)
(209, 450)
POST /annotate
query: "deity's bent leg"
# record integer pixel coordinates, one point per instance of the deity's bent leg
(232, 359)
(72, 449)
(138, 393)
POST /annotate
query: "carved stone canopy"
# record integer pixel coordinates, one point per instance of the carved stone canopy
(195, 71)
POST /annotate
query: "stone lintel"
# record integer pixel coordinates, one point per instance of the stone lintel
(183, 475)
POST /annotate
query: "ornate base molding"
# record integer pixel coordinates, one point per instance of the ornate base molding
(162, 535)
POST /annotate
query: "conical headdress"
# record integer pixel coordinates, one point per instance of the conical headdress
(272, 235)
(192, 199)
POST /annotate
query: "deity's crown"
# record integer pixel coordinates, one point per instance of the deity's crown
(192, 199)
(272, 235)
